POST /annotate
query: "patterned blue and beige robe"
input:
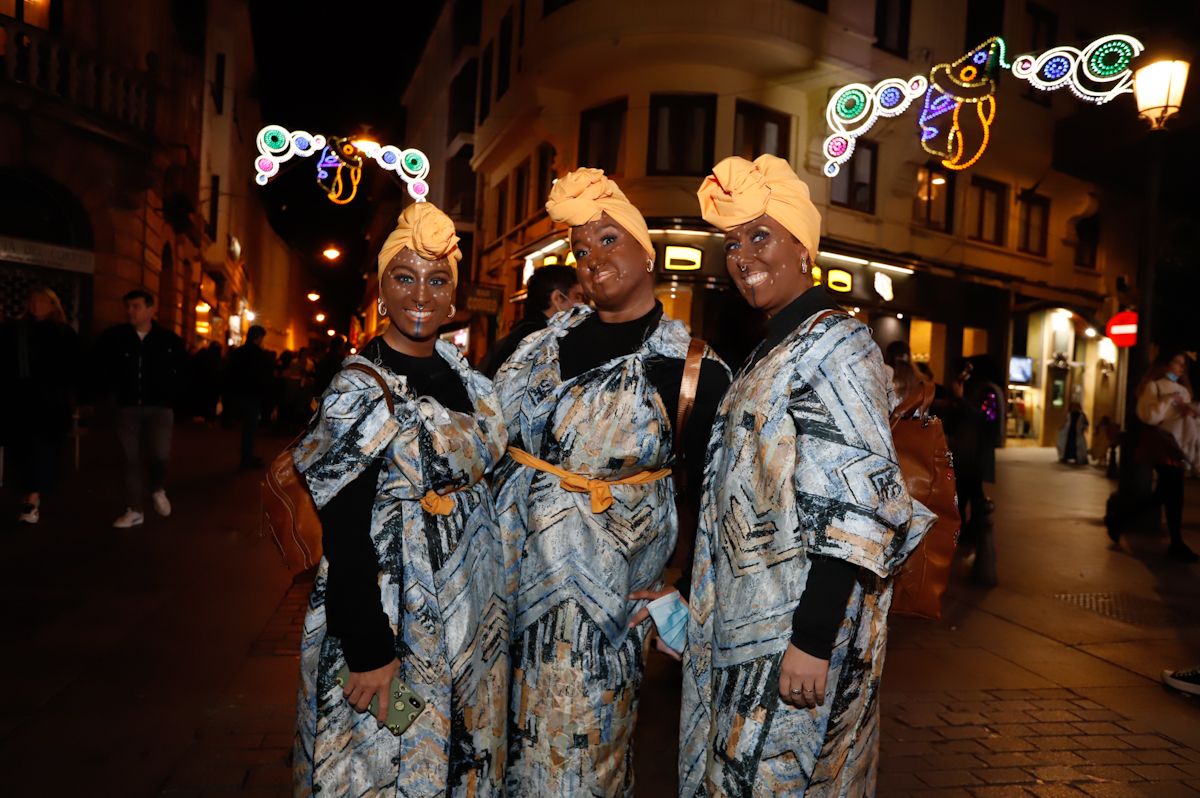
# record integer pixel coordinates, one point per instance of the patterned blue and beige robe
(441, 585)
(801, 462)
(576, 664)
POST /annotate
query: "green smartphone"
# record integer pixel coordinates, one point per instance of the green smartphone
(405, 704)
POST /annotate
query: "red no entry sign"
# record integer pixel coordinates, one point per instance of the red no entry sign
(1122, 328)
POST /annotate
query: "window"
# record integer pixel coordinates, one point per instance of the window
(985, 19)
(485, 83)
(462, 101)
(758, 130)
(214, 205)
(465, 24)
(500, 210)
(1087, 241)
(545, 172)
(854, 186)
(602, 137)
(891, 26)
(681, 134)
(1034, 222)
(550, 6)
(504, 62)
(31, 12)
(218, 84)
(459, 192)
(521, 192)
(933, 206)
(988, 214)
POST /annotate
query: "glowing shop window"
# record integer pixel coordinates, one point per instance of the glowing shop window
(683, 259)
(840, 280)
(975, 341)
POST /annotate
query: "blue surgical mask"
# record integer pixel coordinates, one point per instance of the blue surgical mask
(670, 615)
(1172, 376)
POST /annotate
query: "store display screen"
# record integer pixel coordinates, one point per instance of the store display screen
(1020, 369)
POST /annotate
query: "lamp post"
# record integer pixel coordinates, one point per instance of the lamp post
(1158, 89)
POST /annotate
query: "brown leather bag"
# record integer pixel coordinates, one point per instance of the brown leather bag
(928, 470)
(288, 510)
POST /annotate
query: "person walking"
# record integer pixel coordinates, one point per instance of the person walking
(411, 585)
(142, 366)
(41, 365)
(587, 506)
(552, 289)
(804, 521)
(247, 383)
(1171, 442)
(1071, 442)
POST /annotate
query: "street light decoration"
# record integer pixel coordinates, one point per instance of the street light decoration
(959, 97)
(339, 162)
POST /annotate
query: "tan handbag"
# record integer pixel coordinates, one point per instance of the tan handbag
(288, 510)
(686, 541)
(928, 470)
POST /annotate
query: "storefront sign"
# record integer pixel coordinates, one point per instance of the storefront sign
(1122, 328)
(683, 259)
(35, 253)
(483, 298)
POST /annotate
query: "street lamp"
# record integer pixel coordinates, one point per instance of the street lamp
(313, 296)
(251, 315)
(320, 317)
(1158, 89)
(331, 253)
(331, 333)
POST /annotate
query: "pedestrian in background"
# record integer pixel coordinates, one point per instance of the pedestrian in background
(1071, 442)
(40, 366)
(206, 370)
(141, 367)
(551, 289)
(1165, 403)
(247, 385)
(329, 364)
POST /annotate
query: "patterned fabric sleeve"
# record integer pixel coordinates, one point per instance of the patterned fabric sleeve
(352, 427)
(850, 495)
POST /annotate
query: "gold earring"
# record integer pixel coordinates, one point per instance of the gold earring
(649, 266)
(382, 308)
(451, 312)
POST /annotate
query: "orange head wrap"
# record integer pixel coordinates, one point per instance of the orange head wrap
(738, 191)
(581, 196)
(424, 229)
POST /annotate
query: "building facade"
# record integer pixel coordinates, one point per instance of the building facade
(1011, 258)
(110, 148)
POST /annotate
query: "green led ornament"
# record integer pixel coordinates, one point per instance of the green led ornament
(851, 104)
(413, 162)
(275, 139)
(1111, 58)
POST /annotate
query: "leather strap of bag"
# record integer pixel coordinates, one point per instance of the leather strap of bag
(375, 375)
(820, 318)
(916, 400)
(687, 388)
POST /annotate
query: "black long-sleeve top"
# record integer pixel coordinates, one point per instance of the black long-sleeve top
(353, 606)
(822, 606)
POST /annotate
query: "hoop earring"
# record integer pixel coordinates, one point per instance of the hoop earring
(804, 265)
(452, 312)
(382, 308)
(649, 266)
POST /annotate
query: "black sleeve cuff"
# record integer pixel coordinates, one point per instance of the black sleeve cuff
(370, 647)
(822, 607)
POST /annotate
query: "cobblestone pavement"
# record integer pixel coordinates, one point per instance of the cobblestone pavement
(187, 631)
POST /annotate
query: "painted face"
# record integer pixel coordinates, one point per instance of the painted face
(417, 293)
(1177, 366)
(611, 264)
(764, 258)
(138, 312)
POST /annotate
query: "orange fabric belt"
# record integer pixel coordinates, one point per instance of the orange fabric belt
(600, 490)
(437, 504)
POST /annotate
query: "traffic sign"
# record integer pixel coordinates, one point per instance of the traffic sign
(1122, 328)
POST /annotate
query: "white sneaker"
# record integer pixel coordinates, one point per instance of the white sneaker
(162, 505)
(131, 518)
(29, 514)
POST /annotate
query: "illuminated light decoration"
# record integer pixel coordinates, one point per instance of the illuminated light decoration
(840, 280)
(853, 109)
(203, 307)
(331, 333)
(1097, 73)
(971, 80)
(320, 317)
(887, 267)
(251, 315)
(313, 296)
(331, 253)
(883, 287)
(843, 258)
(550, 260)
(683, 259)
(339, 167)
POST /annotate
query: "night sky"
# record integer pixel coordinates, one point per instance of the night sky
(337, 73)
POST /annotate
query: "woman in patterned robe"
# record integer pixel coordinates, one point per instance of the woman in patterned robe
(586, 501)
(804, 518)
(412, 577)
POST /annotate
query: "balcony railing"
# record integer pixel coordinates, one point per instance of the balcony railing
(48, 65)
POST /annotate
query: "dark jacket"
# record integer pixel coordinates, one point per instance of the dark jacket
(137, 371)
(502, 350)
(249, 374)
(39, 361)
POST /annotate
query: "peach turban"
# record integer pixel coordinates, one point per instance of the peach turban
(581, 196)
(424, 229)
(739, 191)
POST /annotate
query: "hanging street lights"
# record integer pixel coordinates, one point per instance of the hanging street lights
(313, 296)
